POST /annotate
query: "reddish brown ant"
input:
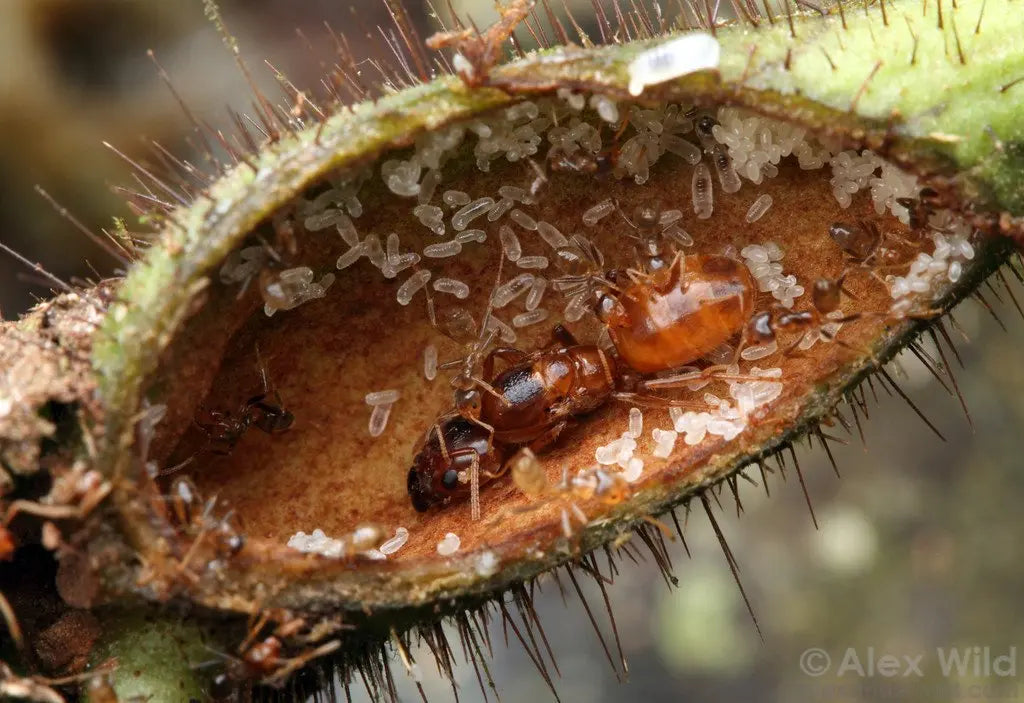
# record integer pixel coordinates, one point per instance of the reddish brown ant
(530, 403)
(261, 658)
(225, 429)
(672, 311)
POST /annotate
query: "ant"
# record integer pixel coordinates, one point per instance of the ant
(477, 53)
(225, 429)
(260, 658)
(671, 311)
(826, 296)
(530, 403)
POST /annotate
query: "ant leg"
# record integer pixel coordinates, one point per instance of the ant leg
(510, 354)
(548, 438)
(295, 663)
(561, 335)
(474, 486)
(713, 373)
(654, 401)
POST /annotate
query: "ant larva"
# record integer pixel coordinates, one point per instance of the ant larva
(675, 310)
(529, 403)
(225, 429)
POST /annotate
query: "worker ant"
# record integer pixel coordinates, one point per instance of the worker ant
(225, 429)
(261, 658)
(478, 52)
(672, 310)
(530, 403)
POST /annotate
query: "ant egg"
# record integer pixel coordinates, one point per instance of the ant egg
(532, 317)
(551, 236)
(453, 287)
(395, 543)
(471, 211)
(523, 220)
(536, 294)
(636, 423)
(412, 285)
(532, 262)
(430, 362)
(759, 208)
(598, 212)
(455, 198)
(499, 210)
(449, 545)
(381, 397)
(442, 250)
(379, 419)
(510, 243)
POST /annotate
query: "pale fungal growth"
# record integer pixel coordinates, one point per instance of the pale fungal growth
(693, 52)
(551, 236)
(510, 243)
(522, 219)
(412, 286)
(598, 212)
(379, 419)
(452, 286)
(471, 211)
(449, 545)
(442, 250)
(703, 203)
(525, 319)
(430, 362)
(758, 208)
(532, 262)
(386, 397)
(636, 423)
(395, 543)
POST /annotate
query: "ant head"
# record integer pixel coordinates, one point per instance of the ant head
(468, 402)
(435, 480)
(759, 328)
(647, 215)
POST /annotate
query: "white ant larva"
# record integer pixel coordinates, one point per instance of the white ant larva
(697, 51)
(759, 208)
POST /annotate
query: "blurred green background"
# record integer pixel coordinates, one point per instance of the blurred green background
(919, 542)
